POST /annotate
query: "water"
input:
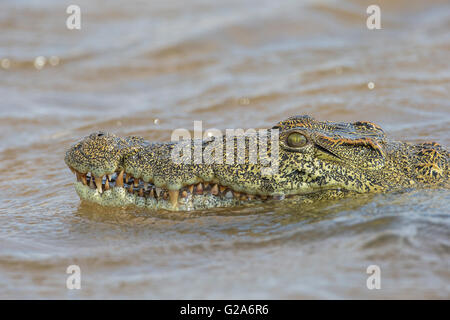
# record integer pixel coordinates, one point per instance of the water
(147, 68)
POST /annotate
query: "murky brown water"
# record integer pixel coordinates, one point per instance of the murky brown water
(236, 64)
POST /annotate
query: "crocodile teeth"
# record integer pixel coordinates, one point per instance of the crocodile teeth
(83, 178)
(148, 189)
(91, 182)
(215, 190)
(98, 182)
(119, 180)
(199, 189)
(173, 197)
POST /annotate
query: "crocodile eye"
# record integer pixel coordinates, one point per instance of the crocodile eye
(296, 140)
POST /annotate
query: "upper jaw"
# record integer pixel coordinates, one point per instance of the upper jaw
(145, 170)
(88, 166)
(100, 153)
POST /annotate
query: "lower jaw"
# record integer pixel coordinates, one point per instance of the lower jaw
(119, 197)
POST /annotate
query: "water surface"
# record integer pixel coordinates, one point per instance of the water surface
(231, 64)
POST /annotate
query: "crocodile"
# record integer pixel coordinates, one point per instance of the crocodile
(315, 160)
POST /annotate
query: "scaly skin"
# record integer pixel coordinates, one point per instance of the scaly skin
(327, 160)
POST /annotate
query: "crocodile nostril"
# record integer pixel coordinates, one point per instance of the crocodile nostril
(100, 134)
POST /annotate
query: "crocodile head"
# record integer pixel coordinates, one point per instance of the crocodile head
(298, 157)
